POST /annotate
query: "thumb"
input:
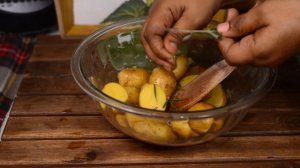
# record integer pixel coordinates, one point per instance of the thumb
(241, 25)
(174, 37)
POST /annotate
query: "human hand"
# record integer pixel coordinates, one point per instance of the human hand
(266, 35)
(161, 46)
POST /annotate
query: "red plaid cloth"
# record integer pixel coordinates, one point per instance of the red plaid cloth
(15, 51)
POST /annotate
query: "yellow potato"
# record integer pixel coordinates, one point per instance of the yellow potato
(121, 119)
(201, 125)
(154, 129)
(217, 125)
(182, 63)
(216, 97)
(182, 128)
(186, 80)
(133, 118)
(133, 94)
(164, 79)
(133, 77)
(115, 91)
(152, 97)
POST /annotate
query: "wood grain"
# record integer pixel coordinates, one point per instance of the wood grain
(53, 52)
(48, 68)
(116, 151)
(60, 127)
(59, 85)
(257, 164)
(81, 127)
(54, 105)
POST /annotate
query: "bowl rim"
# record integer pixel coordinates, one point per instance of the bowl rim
(89, 89)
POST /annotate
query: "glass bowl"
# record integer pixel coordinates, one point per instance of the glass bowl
(102, 55)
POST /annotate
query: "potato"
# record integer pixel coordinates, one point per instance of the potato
(217, 125)
(154, 129)
(152, 97)
(182, 63)
(201, 125)
(216, 97)
(133, 118)
(133, 77)
(164, 79)
(133, 94)
(186, 80)
(182, 128)
(121, 119)
(115, 91)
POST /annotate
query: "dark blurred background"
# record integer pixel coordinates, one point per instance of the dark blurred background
(28, 17)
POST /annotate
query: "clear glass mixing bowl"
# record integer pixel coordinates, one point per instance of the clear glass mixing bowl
(100, 57)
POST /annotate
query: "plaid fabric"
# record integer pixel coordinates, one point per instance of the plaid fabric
(15, 51)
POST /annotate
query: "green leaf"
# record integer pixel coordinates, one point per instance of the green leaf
(129, 9)
(123, 51)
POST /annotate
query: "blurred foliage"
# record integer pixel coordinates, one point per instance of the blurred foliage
(123, 51)
(128, 10)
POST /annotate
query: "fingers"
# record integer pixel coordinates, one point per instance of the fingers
(186, 22)
(241, 41)
(241, 25)
(152, 40)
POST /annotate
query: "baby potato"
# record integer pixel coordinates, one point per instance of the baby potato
(216, 97)
(201, 125)
(182, 63)
(121, 119)
(133, 94)
(154, 129)
(133, 77)
(152, 97)
(133, 118)
(182, 128)
(164, 79)
(115, 91)
(186, 80)
(217, 125)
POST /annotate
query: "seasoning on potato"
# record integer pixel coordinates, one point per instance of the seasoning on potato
(153, 97)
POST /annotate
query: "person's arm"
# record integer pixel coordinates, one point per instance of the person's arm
(266, 35)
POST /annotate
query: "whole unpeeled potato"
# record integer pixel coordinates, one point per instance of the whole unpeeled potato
(164, 80)
(133, 77)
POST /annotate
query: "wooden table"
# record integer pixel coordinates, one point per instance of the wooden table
(54, 124)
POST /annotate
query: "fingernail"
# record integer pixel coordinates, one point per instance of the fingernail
(223, 27)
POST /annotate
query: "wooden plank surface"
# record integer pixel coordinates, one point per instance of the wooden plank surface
(257, 164)
(129, 151)
(79, 127)
(54, 105)
(54, 85)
